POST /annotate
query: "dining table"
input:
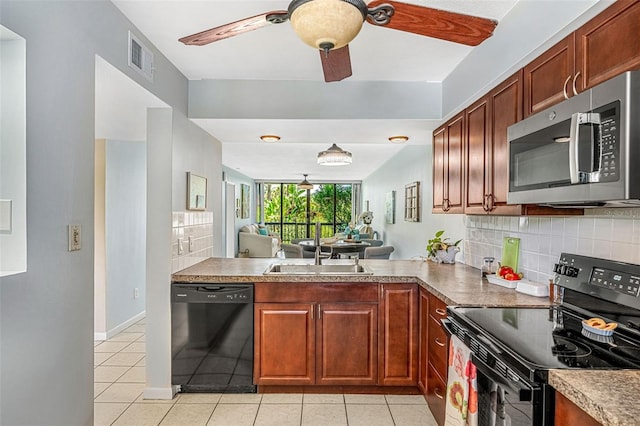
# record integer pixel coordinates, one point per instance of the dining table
(338, 247)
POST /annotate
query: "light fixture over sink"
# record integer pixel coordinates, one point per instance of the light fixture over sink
(334, 156)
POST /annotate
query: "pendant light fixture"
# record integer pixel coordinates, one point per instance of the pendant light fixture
(305, 184)
(334, 156)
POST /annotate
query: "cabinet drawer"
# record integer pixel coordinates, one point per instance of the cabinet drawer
(438, 346)
(436, 394)
(437, 308)
(311, 292)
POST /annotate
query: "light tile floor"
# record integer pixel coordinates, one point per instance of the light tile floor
(119, 378)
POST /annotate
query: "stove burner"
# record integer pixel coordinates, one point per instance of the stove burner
(569, 348)
(629, 352)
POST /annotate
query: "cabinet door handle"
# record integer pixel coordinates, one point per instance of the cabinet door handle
(441, 312)
(319, 313)
(490, 202)
(437, 393)
(575, 92)
(439, 343)
(564, 88)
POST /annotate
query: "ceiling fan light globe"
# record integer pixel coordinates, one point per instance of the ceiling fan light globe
(326, 21)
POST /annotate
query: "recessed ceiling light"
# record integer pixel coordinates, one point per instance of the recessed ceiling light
(270, 138)
(398, 139)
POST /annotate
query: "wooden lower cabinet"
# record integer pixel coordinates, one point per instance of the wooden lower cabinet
(568, 413)
(436, 394)
(423, 340)
(347, 341)
(284, 344)
(316, 344)
(398, 352)
(438, 348)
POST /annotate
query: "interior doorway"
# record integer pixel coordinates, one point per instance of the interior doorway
(120, 213)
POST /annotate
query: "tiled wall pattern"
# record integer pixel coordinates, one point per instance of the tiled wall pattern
(599, 233)
(198, 226)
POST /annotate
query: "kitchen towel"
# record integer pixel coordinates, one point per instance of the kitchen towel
(462, 386)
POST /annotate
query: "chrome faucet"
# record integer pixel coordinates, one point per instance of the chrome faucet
(316, 243)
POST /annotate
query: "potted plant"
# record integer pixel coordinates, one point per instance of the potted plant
(441, 250)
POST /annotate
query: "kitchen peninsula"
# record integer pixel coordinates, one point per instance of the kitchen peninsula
(437, 285)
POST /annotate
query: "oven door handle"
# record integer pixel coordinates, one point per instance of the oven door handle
(515, 384)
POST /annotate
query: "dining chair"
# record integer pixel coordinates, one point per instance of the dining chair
(382, 252)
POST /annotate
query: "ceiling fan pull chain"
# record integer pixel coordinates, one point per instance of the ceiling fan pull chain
(381, 15)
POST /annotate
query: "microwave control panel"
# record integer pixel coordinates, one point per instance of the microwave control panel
(609, 149)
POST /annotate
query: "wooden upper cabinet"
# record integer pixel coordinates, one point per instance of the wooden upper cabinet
(548, 79)
(608, 45)
(448, 146)
(477, 156)
(439, 143)
(487, 153)
(604, 47)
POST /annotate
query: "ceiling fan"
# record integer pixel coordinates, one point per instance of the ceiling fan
(329, 25)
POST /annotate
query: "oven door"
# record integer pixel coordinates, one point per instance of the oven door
(502, 401)
(505, 399)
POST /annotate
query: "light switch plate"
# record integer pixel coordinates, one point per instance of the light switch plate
(75, 237)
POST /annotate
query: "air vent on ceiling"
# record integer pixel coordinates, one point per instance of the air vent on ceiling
(140, 57)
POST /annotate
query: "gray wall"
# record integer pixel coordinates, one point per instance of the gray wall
(125, 230)
(238, 178)
(46, 314)
(409, 239)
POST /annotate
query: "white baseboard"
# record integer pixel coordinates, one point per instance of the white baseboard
(117, 329)
(160, 393)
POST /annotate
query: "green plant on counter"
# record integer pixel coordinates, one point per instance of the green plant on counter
(438, 243)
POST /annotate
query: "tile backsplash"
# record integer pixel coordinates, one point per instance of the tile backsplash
(197, 226)
(598, 234)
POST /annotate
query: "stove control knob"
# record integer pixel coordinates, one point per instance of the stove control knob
(563, 270)
(556, 267)
(572, 272)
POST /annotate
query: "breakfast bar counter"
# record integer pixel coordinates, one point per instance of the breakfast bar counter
(455, 284)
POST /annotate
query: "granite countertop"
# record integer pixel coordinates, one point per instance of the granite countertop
(456, 284)
(608, 396)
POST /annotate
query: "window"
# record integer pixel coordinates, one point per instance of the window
(291, 212)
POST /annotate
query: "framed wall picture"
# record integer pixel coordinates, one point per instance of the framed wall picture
(412, 202)
(196, 192)
(390, 207)
(245, 198)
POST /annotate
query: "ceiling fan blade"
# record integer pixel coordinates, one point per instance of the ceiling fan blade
(336, 64)
(235, 28)
(442, 24)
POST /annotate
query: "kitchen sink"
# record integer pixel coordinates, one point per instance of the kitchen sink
(309, 269)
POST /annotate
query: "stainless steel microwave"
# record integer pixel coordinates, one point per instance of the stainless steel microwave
(582, 152)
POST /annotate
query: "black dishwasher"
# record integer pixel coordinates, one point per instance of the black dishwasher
(212, 337)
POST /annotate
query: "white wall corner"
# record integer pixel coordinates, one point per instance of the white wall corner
(160, 393)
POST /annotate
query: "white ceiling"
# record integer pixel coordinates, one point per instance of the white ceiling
(275, 53)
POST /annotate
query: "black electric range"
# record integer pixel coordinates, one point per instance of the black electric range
(514, 348)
